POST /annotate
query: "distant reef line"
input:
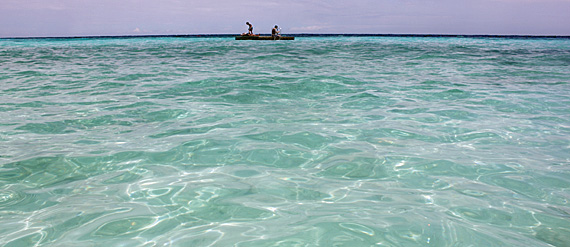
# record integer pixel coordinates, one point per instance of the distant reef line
(301, 35)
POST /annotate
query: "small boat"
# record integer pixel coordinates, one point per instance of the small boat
(257, 37)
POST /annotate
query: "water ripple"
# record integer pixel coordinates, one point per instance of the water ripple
(354, 141)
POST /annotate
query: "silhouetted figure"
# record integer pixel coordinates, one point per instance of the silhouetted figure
(249, 29)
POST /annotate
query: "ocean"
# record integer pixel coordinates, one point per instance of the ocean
(321, 141)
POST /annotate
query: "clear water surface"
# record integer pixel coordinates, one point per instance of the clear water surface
(334, 141)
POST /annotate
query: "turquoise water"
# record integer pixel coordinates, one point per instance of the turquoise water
(334, 141)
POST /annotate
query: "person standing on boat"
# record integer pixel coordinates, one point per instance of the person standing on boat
(275, 32)
(249, 29)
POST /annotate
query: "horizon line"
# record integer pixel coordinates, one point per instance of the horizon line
(521, 36)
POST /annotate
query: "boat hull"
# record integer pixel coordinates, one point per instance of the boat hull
(246, 37)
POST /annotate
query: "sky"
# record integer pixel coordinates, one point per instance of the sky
(55, 18)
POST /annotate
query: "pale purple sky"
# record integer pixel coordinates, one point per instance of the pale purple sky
(26, 18)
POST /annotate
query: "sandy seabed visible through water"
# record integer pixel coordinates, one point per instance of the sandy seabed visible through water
(321, 141)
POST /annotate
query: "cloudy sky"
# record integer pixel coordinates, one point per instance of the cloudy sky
(25, 18)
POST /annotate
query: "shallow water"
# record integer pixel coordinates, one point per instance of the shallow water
(336, 141)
